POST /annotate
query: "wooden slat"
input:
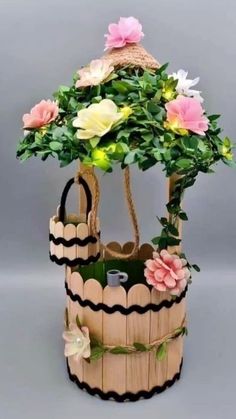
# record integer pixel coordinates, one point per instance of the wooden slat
(113, 246)
(82, 232)
(114, 333)
(59, 232)
(127, 248)
(163, 328)
(52, 231)
(70, 233)
(82, 199)
(145, 251)
(138, 326)
(93, 320)
(175, 348)
(76, 284)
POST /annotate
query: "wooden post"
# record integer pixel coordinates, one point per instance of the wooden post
(171, 184)
(82, 201)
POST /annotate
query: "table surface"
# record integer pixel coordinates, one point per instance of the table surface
(34, 382)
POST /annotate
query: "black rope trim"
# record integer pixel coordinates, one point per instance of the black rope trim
(74, 262)
(112, 395)
(72, 242)
(123, 310)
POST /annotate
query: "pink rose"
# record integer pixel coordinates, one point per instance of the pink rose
(127, 31)
(186, 113)
(41, 114)
(167, 272)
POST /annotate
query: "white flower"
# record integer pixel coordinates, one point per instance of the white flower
(184, 84)
(77, 342)
(97, 119)
(95, 73)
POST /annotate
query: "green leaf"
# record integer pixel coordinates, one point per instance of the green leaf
(130, 158)
(156, 240)
(152, 107)
(140, 347)
(161, 351)
(184, 163)
(55, 145)
(172, 241)
(172, 229)
(119, 350)
(196, 267)
(94, 141)
(78, 321)
(96, 353)
(183, 216)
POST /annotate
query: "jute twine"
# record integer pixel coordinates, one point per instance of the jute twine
(131, 209)
(157, 342)
(133, 55)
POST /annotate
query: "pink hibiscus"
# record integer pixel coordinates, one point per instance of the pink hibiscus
(127, 31)
(167, 272)
(41, 114)
(186, 113)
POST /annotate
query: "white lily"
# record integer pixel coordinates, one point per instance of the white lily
(184, 85)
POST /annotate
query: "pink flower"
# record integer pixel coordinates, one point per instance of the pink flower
(167, 272)
(95, 73)
(41, 114)
(186, 113)
(127, 31)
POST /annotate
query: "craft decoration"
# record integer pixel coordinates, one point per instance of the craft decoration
(75, 240)
(126, 314)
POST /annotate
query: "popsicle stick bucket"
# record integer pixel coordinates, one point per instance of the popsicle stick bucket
(120, 316)
(74, 239)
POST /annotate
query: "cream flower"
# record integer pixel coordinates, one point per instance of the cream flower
(184, 84)
(97, 119)
(77, 342)
(96, 72)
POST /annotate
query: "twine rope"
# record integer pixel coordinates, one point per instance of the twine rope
(134, 221)
(95, 200)
(131, 210)
(157, 342)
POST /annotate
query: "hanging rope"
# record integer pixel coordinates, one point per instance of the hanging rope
(131, 209)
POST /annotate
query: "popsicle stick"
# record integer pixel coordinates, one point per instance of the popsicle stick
(175, 348)
(93, 320)
(82, 200)
(127, 248)
(52, 230)
(145, 251)
(138, 326)
(113, 246)
(163, 329)
(154, 365)
(76, 284)
(70, 233)
(59, 232)
(82, 232)
(114, 333)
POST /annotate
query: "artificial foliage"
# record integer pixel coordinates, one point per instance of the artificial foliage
(140, 133)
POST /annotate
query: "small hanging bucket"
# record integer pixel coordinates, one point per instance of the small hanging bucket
(75, 240)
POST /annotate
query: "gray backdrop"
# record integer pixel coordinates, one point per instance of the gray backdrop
(42, 44)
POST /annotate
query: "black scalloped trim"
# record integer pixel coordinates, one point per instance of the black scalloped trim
(74, 262)
(123, 310)
(112, 395)
(72, 242)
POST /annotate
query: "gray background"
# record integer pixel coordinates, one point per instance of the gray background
(42, 44)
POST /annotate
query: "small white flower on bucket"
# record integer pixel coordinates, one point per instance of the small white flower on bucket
(77, 342)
